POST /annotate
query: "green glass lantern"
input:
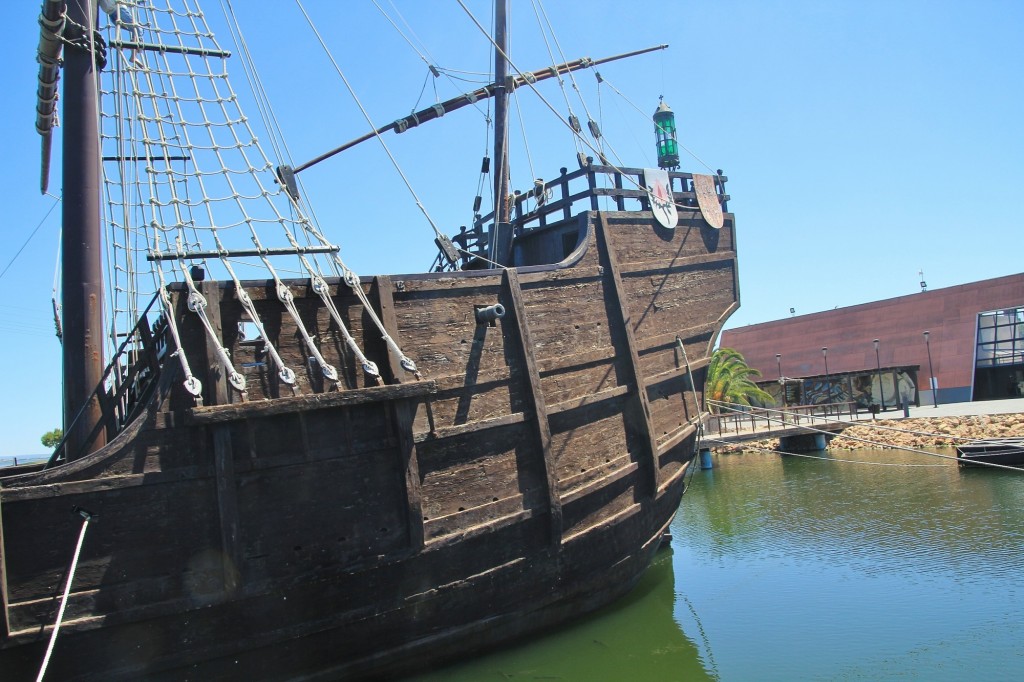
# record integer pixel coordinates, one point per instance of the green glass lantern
(665, 134)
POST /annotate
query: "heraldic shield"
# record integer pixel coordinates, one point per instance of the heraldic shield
(659, 189)
(707, 199)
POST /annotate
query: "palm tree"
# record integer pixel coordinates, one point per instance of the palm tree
(730, 380)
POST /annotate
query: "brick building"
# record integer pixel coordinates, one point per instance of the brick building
(975, 341)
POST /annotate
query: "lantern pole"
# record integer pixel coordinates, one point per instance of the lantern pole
(878, 368)
(931, 372)
(665, 136)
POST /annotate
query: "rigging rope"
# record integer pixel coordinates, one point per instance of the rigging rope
(696, 403)
(369, 120)
(699, 160)
(32, 234)
(561, 82)
(180, 107)
(86, 518)
(544, 101)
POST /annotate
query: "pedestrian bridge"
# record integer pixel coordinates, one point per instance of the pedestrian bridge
(801, 427)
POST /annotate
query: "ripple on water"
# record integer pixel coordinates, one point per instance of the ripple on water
(839, 570)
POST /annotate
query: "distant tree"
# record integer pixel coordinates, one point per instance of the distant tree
(731, 380)
(51, 439)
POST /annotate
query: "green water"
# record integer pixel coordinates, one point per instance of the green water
(803, 569)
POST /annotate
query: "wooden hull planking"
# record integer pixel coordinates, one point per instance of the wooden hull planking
(525, 478)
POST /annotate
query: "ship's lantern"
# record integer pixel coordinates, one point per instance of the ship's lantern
(665, 133)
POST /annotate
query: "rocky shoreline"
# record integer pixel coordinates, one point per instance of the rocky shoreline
(930, 432)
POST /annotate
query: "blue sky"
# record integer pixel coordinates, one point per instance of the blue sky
(864, 142)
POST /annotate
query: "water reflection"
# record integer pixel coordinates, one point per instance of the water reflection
(816, 569)
(781, 568)
(637, 638)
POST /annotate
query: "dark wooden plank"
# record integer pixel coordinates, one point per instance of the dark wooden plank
(678, 437)
(536, 397)
(662, 265)
(227, 505)
(216, 384)
(403, 416)
(574, 360)
(643, 422)
(592, 399)
(576, 492)
(318, 401)
(462, 429)
(5, 624)
(383, 291)
(677, 372)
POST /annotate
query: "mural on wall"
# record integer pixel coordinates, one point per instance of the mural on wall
(819, 391)
(867, 390)
(862, 389)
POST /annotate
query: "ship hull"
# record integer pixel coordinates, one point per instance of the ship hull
(523, 478)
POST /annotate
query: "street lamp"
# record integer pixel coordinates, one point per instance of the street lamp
(931, 372)
(782, 384)
(828, 378)
(878, 368)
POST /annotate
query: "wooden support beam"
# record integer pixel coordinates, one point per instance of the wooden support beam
(5, 622)
(642, 420)
(315, 401)
(510, 283)
(227, 506)
(383, 291)
(402, 417)
(215, 383)
(471, 427)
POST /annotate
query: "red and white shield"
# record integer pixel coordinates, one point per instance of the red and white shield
(659, 191)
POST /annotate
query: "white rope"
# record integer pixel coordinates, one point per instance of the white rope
(86, 518)
(284, 373)
(323, 291)
(197, 304)
(353, 281)
(284, 294)
(191, 383)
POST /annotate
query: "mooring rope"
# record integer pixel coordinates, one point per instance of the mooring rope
(700, 421)
(86, 518)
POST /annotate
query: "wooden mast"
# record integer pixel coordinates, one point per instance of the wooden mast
(502, 231)
(82, 265)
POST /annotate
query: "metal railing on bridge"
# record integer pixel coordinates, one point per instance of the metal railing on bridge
(735, 418)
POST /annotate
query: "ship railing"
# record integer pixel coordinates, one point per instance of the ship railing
(559, 199)
(126, 384)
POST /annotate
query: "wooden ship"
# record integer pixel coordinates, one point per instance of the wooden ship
(392, 470)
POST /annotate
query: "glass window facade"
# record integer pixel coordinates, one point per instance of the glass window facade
(1000, 338)
(999, 355)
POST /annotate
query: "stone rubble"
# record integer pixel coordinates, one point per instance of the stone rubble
(922, 433)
